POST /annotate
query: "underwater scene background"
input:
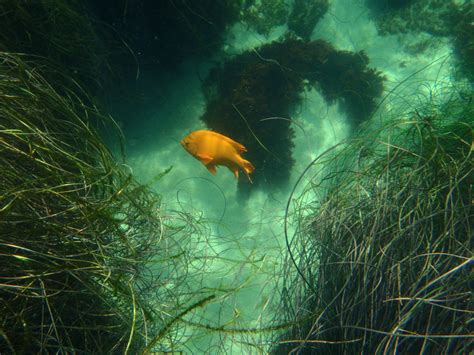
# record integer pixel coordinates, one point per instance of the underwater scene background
(355, 235)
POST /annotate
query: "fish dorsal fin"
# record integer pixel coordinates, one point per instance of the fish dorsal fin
(238, 147)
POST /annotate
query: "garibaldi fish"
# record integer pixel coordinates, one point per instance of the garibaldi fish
(212, 149)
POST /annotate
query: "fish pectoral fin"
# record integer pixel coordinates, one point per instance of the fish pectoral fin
(248, 169)
(212, 169)
(236, 173)
(205, 159)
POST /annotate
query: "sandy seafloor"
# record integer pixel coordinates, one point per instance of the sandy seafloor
(246, 248)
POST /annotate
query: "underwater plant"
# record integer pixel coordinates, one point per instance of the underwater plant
(462, 22)
(388, 5)
(267, 82)
(430, 16)
(305, 15)
(383, 252)
(449, 19)
(86, 254)
(58, 32)
(165, 33)
(263, 15)
(301, 16)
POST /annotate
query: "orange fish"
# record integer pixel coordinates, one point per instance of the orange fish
(212, 149)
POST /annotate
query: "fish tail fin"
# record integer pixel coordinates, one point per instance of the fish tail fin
(248, 168)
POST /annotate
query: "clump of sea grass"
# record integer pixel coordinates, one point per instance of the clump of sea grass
(384, 250)
(77, 233)
(60, 32)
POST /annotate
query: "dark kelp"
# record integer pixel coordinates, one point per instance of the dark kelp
(58, 32)
(305, 15)
(462, 22)
(268, 82)
(439, 19)
(164, 33)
